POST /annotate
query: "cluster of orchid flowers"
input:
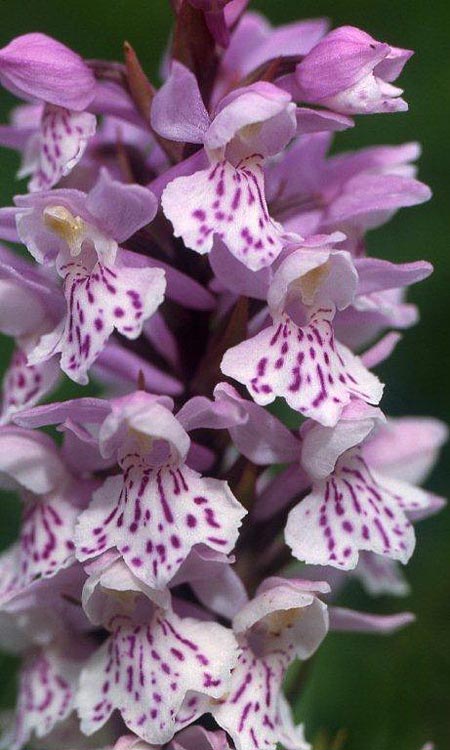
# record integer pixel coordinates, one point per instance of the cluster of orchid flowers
(178, 540)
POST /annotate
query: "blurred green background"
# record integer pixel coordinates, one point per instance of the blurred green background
(387, 693)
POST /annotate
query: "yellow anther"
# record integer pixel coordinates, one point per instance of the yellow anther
(279, 621)
(250, 132)
(126, 598)
(308, 284)
(70, 228)
(144, 442)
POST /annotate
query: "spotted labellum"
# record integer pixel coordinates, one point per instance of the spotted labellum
(182, 546)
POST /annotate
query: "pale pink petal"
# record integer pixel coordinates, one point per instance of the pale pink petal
(315, 276)
(261, 104)
(339, 61)
(348, 512)
(380, 575)
(370, 95)
(31, 156)
(197, 161)
(200, 412)
(8, 226)
(214, 581)
(45, 543)
(42, 614)
(155, 516)
(317, 120)
(305, 365)
(9, 569)
(25, 385)
(369, 317)
(406, 448)
(145, 671)
(16, 135)
(322, 446)
(85, 410)
(121, 370)
(261, 437)
(257, 434)
(177, 110)
(435, 504)
(227, 202)
(135, 417)
(349, 620)
(294, 620)
(376, 274)
(182, 288)
(251, 714)
(46, 695)
(380, 351)
(67, 736)
(120, 209)
(131, 742)
(254, 43)
(37, 66)
(99, 301)
(112, 590)
(198, 738)
(158, 332)
(284, 620)
(17, 316)
(292, 737)
(255, 713)
(41, 472)
(63, 140)
(413, 500)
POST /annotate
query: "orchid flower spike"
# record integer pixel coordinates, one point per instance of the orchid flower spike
(190, 417)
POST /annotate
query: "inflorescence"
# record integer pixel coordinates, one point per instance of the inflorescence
(197, 252)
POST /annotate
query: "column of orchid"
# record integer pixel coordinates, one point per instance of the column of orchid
(167, 569)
